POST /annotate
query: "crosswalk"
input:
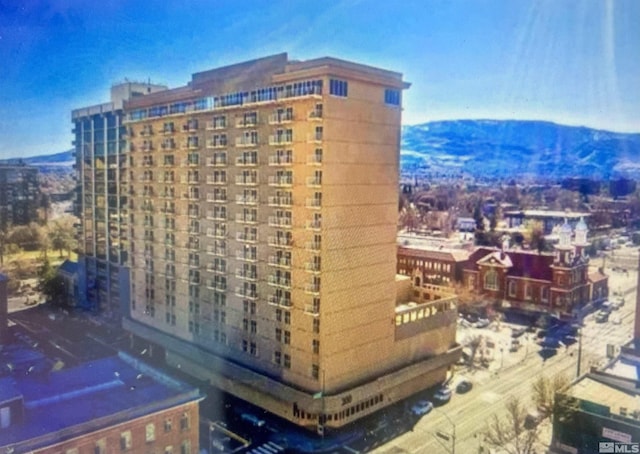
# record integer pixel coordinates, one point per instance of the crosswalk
(267, 448)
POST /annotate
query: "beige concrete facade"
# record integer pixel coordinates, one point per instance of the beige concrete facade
(263, 213)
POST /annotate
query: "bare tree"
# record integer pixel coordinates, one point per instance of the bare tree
(509, 433)
(473, 343)
(544, 391)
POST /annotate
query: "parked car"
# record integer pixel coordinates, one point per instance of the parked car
(464, 386)
(482, 323)
(602, 317)
(517, 332)
(442, 395)
(422, 407)
(616, 320)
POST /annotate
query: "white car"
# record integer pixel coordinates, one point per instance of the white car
(616, 320)
(443, 395)
(422, 407)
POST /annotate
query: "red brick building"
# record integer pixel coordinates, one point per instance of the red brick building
(437, 266)
(558, 284)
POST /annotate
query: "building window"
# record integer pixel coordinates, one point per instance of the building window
(167, 425)
(277, 358)
(315, 371)
(150, 432)
(528, 292)
(125, 440)
(287, 362)
(168, 450)
(491, 280)
(338, 87)
(544, 294)
(316, 346)
(184, 421)
(100, 447)
(185, 447)
(392, 97)
(512, 288)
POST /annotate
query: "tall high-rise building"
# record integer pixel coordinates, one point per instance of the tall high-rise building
(20, 195)
(262, 218)
(102, 199)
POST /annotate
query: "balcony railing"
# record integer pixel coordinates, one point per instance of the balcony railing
(246, 256)
(279, 221)
(313, 203)
(246, 275)
(280, 201)
(278, 241)
(314, 159)
(312, 267)
(216, 143)
(219, 162)
(246, 219)
(280, 160)
(217, 198)
(314, 224)
(280, 118)
(312, 309)
(244, 162)
(314, 182)
(313, 245)
(312, 288)
(246, 181)
(279, 281)
(280, 139)
(279, 301)
(282, 262)
(246, 293)
(247, 122)
(281, 181)
(315, 114)
(213, 268)
(247, 237)
(213, 180)
(246, 200)
(246, 142)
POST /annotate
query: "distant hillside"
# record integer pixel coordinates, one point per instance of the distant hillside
(510, 148)
(52, 163)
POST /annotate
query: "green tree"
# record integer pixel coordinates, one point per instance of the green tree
(51, 284)
(62, 234)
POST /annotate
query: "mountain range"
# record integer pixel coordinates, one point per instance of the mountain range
(517, 148)
(493, 149)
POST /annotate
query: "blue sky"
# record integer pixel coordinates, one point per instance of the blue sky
(569, 61)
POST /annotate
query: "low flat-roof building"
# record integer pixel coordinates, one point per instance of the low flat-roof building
(601, 407)
(548, 218)
(114, 404)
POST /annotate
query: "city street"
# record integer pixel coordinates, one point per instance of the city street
(470, 412)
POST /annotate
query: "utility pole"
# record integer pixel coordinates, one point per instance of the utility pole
(579, 349)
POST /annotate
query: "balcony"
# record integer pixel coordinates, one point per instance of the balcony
(211, 179)
(216, 285)
(216, 144)
(217, 215)
(313, 288)
(243, 180)
(246, 200)
(212, 125)
(280, 221)
(279, 118)
(313, 203)
(217, 198)
(279, 301)
(314, 224)
(219, 162)
(315, 114)
(314, 159)
(213, 268)
(244, 162)
(312, 267)
(281, 160)
(247, 122)
(246, 142)
(316, 137)
(279, 241)
(217, 233)
(280, 139)
(314, 182)
(246, 219)
(247, 237)
(246, 293)
(279, 281)
(190, 145)
(168, 129)
(168, 145)
(313, 245)
(190, 126)
(281, 181)
(275, 201)
(279, 261)
(147, 146)
(218, 252)
(246, 275)
(312, 309)
(246, 256)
